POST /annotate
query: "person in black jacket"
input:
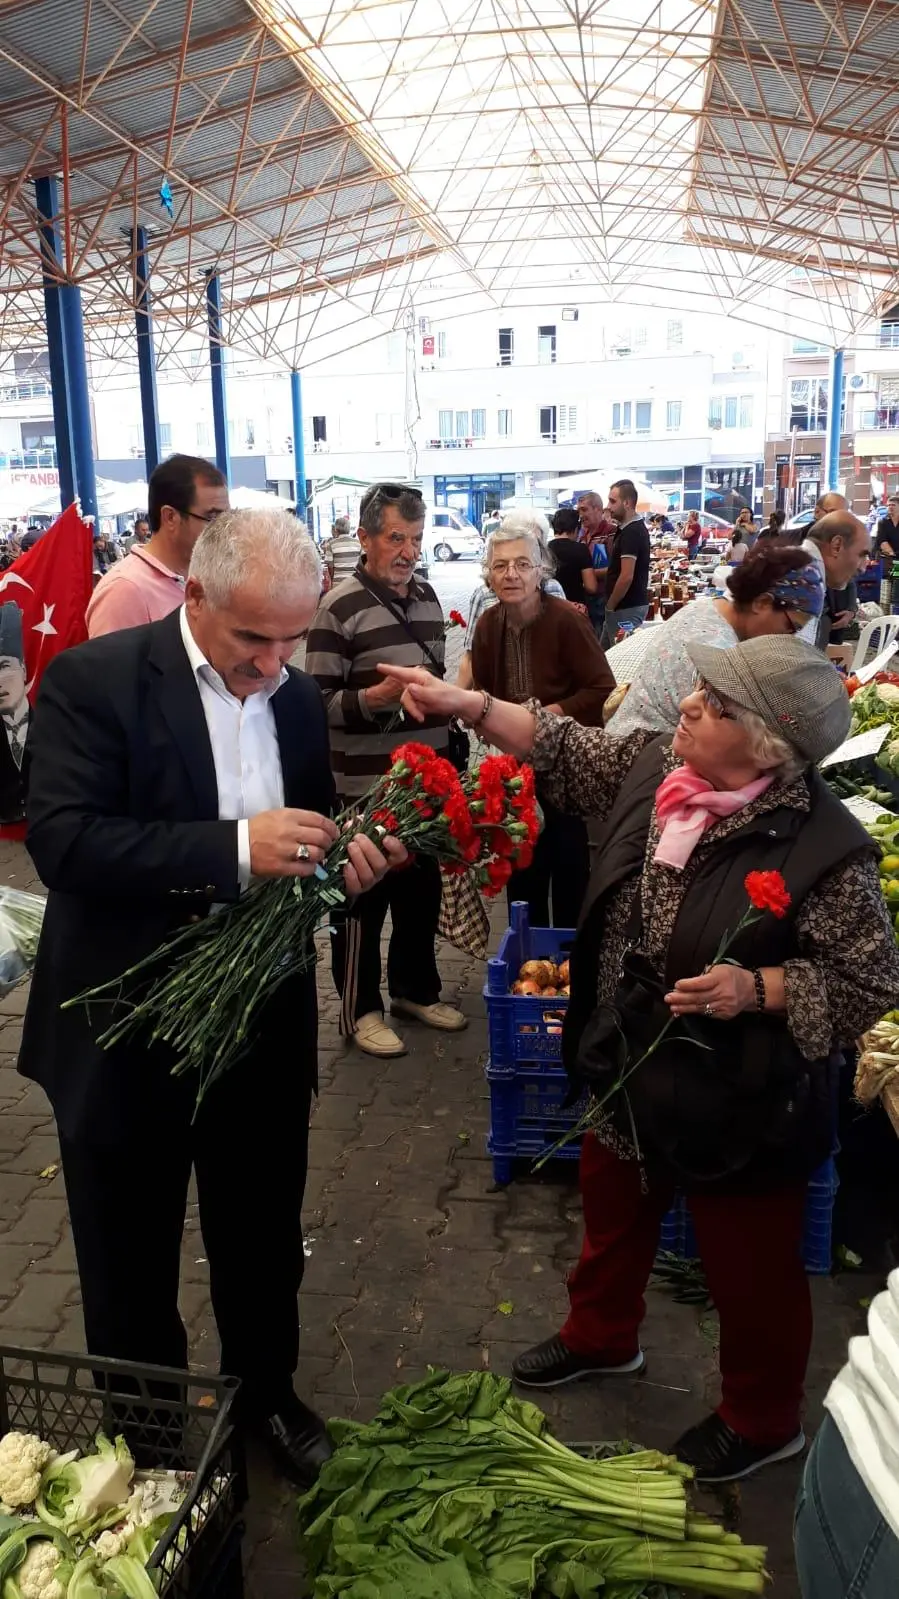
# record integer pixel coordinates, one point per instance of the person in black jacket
(734, 1104)
(167, 764)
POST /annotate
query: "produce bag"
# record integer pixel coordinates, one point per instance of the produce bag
(21, 916)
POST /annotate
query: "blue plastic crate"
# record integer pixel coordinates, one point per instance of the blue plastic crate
(526, 1115)
(678, 1237)
(522, 1027)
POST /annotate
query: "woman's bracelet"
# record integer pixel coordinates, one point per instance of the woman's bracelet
(484, 712)
(761, 997)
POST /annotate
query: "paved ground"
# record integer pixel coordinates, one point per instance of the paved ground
(411, 1252)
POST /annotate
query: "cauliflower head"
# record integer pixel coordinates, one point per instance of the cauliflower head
(22, 1461)
(110, 1544)
(36, 1575)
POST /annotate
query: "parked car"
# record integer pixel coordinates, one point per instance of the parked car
(799, 522)
(449, 535)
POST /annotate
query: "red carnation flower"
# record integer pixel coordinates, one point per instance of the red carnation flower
(457, 619)
(768, 892)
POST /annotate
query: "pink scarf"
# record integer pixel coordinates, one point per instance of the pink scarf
(686, 804)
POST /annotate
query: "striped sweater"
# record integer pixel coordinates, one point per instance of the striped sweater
(353, 629)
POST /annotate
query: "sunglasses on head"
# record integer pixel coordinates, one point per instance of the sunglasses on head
(388, 492)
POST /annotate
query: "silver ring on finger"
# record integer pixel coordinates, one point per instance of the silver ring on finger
(303, 852)
(710, 1010)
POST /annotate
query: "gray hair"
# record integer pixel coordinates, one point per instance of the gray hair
(523, 524)
(770, 752)
(239, 545)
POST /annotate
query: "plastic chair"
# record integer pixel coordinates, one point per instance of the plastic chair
(874, 637)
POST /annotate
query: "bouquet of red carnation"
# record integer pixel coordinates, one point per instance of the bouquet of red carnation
(202, 991)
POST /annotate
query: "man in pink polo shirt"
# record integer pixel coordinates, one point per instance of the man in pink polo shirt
(183, 495)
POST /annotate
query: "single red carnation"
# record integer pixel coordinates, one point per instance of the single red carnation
(768, 892)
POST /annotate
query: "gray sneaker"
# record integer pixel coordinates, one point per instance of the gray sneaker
(550, 1364)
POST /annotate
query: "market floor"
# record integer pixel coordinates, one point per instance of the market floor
(413, 1258)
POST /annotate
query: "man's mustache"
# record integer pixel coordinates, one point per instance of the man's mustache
(249, 671)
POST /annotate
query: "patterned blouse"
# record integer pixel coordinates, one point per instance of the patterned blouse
(664, 675)
(846, 975)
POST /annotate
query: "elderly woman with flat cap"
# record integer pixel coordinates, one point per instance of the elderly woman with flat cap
(735, 1106)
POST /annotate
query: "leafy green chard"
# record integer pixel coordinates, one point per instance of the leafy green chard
(456, 1490)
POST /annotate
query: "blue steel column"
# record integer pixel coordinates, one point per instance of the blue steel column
(217, 373)
(834, 410)
(146, 355)
(45, 195)
(79, 398)
(299, 451)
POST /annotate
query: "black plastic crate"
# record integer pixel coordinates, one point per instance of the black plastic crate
(170, 1420)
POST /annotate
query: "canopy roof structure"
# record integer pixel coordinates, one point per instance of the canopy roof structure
(341, 163)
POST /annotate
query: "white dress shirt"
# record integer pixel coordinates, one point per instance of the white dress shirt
(245, 749)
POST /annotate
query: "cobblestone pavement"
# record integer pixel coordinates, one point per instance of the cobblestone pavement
(411, 1251)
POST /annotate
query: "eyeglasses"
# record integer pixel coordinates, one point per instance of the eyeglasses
(784, 610)
(522, 565)
(713, 703)
(209, 516)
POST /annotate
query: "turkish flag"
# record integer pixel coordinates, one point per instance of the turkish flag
(50, 585)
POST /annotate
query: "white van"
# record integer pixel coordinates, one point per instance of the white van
(448, 535)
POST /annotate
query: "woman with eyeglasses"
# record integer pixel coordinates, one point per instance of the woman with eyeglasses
(735, 1105)
(531, 646)
(775, 590)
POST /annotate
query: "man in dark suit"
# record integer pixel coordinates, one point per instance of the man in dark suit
(166, 765)
(15, 713)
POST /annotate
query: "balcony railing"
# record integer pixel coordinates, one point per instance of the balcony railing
(25, 391)
(880, 418)
(28, 460)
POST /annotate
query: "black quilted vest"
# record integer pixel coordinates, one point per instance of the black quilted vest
(765, 1075)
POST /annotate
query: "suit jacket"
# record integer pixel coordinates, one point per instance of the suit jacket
(123, 828)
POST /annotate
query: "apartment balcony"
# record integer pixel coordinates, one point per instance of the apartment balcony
(879, 418)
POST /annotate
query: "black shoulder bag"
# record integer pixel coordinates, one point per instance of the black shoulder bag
(459, 743)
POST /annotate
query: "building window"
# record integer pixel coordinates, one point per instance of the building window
(445, 425)
(746, 410)
(504, 424)
(165, 435)
(675, 336)
(506, 346)
(204, 436)
(808, 347)
(546, 345)
(479, 424)
(715, 414)
(548, 424)
(672, 416)
(639, 338)
(319, 431)
(622, 416)
(463, 431)
(808, 404)
(643, 410)
(567, 418)
(730, 411)
(441, 345)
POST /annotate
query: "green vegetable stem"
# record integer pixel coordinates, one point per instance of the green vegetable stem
(456, 1490)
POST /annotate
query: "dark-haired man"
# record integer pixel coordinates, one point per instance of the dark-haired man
(183, 495)
(627, 580)
(382, 612)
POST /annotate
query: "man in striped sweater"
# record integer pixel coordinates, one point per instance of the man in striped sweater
(382, 613)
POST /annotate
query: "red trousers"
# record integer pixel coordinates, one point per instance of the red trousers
(751, 1250)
